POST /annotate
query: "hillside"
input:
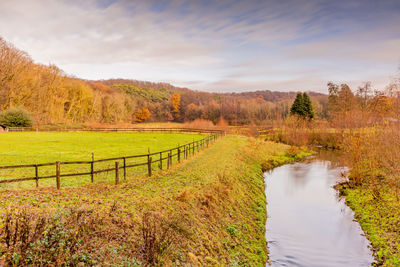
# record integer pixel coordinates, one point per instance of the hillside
(51, 96)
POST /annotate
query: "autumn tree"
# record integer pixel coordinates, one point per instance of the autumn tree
(212, 112)
(192, 112)
(341, 99)
(343, 106)
(142, 115)
(175, 105)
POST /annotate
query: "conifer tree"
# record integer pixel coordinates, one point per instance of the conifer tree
(308, 108)
(298, 106)
(302, 106)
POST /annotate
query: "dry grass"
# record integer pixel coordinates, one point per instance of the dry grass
(199, 124)
(300, 132)
(373, 154)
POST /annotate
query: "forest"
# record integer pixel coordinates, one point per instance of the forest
(52, 96)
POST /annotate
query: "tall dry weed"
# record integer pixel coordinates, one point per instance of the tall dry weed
(200, 124)
(373, 154)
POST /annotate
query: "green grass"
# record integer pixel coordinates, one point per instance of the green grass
(380, 220)
(217, 196)
(44, 147)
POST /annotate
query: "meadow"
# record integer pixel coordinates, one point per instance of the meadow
(43, 147)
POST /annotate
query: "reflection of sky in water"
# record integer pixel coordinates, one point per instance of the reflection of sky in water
(308, 225)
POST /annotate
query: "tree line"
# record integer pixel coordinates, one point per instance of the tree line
(51, 96)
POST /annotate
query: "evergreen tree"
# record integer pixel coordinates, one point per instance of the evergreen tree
(308, 108)
(302, 106)
(298, 106)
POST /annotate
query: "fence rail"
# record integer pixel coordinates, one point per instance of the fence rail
(180, 152)
(133, 129)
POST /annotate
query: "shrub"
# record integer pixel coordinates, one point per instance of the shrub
(17, 117)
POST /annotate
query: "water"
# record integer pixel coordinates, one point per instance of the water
(308, 224)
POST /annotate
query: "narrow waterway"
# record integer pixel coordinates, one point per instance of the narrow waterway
(308, 223)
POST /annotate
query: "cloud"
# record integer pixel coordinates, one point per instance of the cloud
(211, 45)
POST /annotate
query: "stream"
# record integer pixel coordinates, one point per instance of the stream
(308, 224)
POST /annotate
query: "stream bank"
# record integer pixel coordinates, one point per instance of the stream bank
(308, 223)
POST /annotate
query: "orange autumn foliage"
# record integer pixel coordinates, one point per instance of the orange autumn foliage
(142, 115)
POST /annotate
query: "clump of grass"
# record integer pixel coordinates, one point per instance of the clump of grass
(159, 235)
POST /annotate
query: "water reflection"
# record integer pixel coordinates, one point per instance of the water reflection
(308, 224)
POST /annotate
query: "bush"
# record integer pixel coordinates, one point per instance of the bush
(16, 117)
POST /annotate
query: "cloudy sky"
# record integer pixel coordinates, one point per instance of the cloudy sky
(219, 45)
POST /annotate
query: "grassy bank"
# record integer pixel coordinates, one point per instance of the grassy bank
(209, 210)
(380, 220)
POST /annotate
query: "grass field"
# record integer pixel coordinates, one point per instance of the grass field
(43, 147)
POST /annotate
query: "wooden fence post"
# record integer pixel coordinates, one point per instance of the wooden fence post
(193, 148)
(37, 175)
(92, 169)
(168, 158)
(58, 170)
(124, 168)
(160, 160)
(179, 155)
(116, 172)
(149, 160)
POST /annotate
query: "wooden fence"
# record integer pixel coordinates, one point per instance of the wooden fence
(137, 129)
(121, 163)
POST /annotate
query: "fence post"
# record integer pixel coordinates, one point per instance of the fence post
(179, 155)
(37, 175)
(149, 159)
(168, 159)
(58, 170)
(193, 148)
(124, 168)
(92, 169)
(160, 160)
(116, 172)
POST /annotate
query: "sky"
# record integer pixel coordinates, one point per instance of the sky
(218, 46)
